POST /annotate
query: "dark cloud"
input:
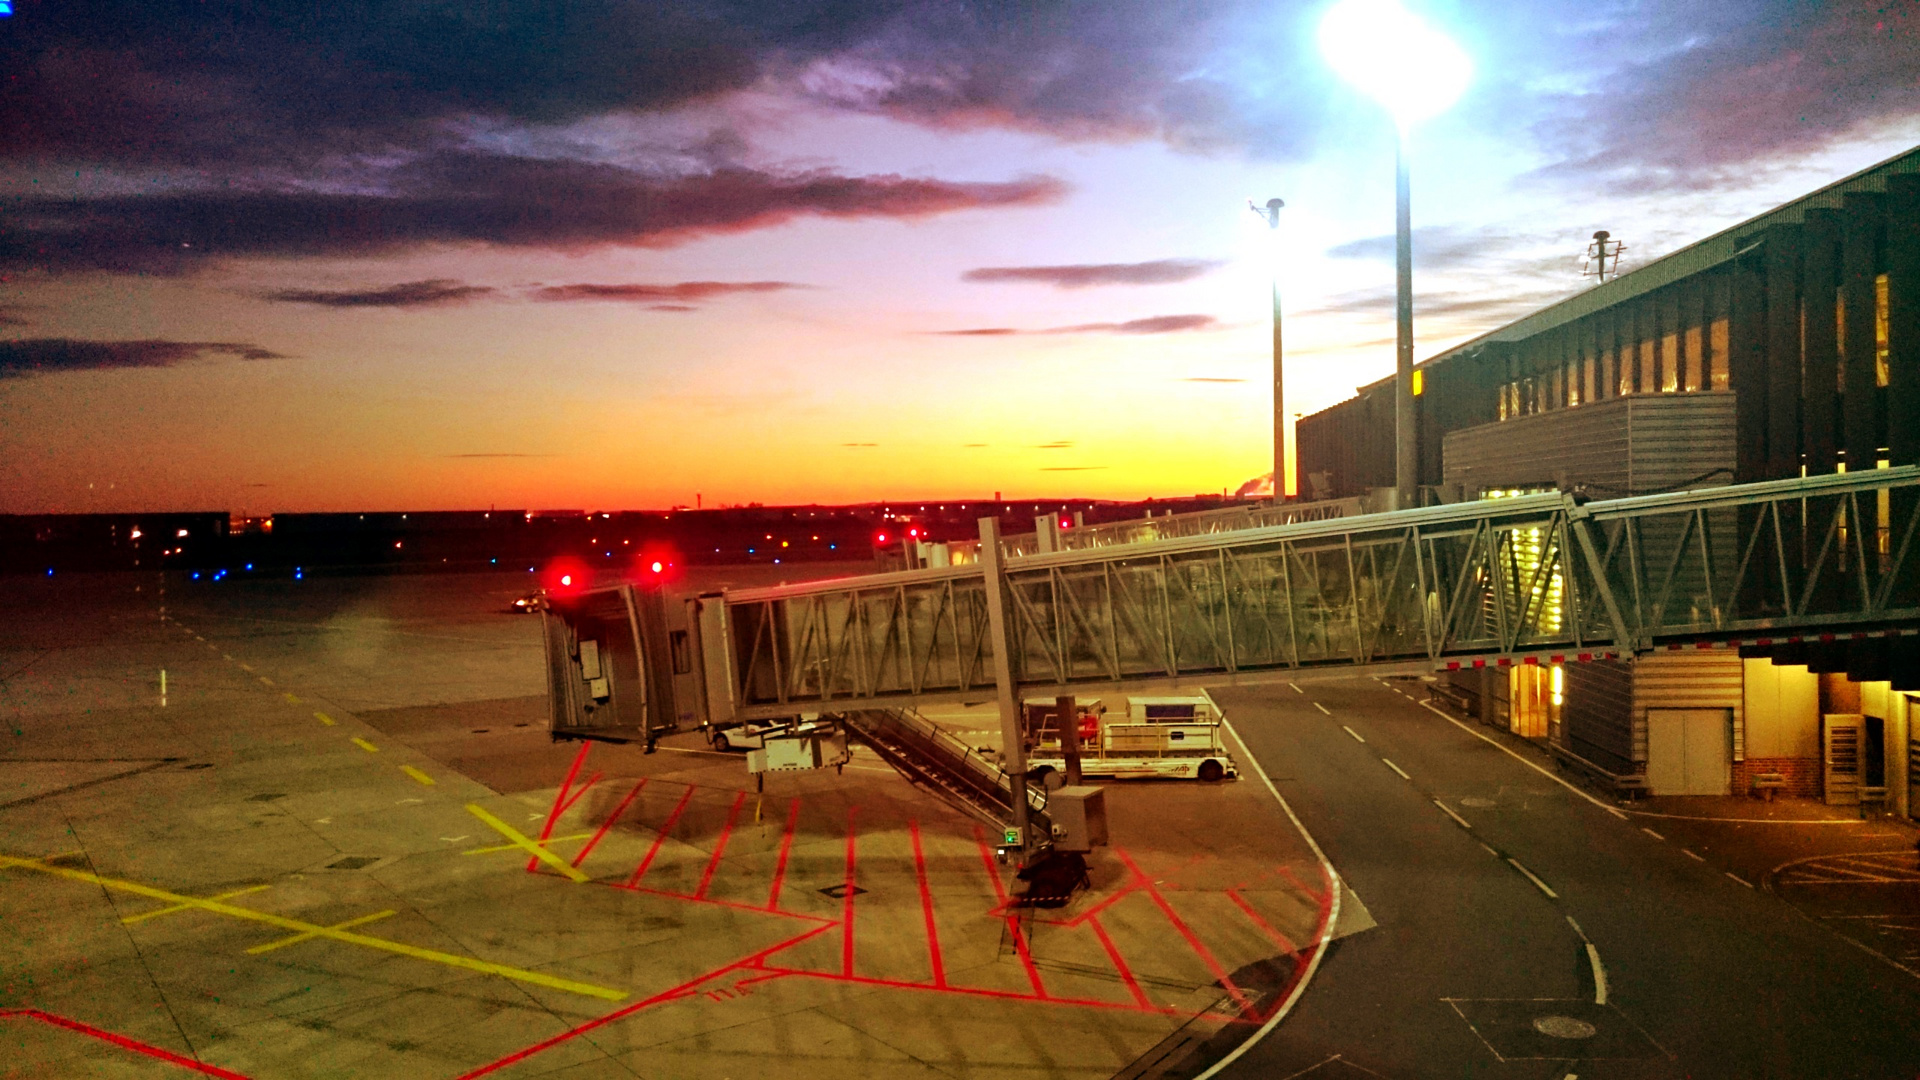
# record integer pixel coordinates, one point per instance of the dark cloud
(430, 293)
(672, 307)
(1054, 446)
(9, 318)
(680, 291)
(1158, 324)
(466, 198)
(47, 356)
(1487, 310)
(1083, 275)
(1695, 96)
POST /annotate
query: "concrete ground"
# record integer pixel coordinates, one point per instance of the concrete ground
(1531, 930)
(343, 846)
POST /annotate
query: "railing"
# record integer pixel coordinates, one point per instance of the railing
(1499, 576)
(930, 755)
(1167, 527)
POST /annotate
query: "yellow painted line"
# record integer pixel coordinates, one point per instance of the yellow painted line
(417, 775)
(309, 936)
(145, 915)
(296, 926)
(516, 847)
(365, 745)
(291, 700)
(521, 841)
(323, 718)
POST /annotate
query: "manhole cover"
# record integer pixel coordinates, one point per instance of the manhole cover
(1479, 804)
(352, 862)
(839, 892)
(267, 796)
(1564, 1027)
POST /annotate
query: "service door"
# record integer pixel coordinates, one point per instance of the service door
(1687, 751)
(1841, 755)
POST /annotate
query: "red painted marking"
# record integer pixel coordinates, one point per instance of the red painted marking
(1305, 960)
(1004, 995)
(121, 1041)
(786, 846)
(608, 824)
(665, 827)
(1013, 918)
(553, 815)
(719, 849)
(1279, 938)
(1193, 942)
(735, 904)
(1117, 895)
(581, 790)
(1303, 887)
(685, 989)
(1120, 965)
(846, 917)
(926, 906)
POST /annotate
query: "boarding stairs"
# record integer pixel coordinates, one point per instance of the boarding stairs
(936, 760)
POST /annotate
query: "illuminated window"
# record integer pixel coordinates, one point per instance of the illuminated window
(1717, 365)
(1419, 382)
(1840, 342)
(1669, 363)
(1606, 374)
(1646, 367)
(1695, 381)
(1880, 373)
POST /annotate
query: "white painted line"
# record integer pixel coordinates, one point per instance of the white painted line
(1296, 687)
(1396, 768)
(1428, 705)
(1599, 975)
(1691, 855)
(1462, 822)
(1739, 879)
(1356, 735)
(1490, 851)
(1323, 708)
(1534, 878)
(1326, 931)
(1576, 928)
(1651, 833)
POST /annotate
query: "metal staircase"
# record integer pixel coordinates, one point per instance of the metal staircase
(934, 759)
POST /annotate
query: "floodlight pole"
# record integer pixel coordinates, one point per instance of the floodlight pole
(1405, 456)
(1271, 215)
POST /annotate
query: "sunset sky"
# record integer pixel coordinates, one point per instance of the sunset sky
(391, 255)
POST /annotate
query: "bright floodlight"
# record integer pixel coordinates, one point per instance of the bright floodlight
(1395, 57)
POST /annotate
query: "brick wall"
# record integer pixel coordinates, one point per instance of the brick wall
(1803, 775)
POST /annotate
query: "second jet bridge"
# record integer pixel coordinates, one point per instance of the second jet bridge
(1509, 577)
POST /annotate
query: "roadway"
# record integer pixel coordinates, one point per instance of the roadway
(1527, 930)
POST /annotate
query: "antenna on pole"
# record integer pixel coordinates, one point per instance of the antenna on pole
(1603, 257)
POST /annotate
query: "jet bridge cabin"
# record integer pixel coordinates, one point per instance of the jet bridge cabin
(616, 671)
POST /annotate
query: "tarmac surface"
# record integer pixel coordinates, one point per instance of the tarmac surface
(1532, 929)
(337, 841)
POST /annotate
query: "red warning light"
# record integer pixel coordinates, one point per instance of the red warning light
(880, 539)
(658, 566)
(566, 576)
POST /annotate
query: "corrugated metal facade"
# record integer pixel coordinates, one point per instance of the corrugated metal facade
(1626, 446)
(1596, 720)
(1705, 679)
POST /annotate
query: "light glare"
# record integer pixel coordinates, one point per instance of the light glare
(1395, 57)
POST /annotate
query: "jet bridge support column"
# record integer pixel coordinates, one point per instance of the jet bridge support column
(1013, 750)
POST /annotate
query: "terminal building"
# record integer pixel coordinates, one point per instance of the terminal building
(1786, 346)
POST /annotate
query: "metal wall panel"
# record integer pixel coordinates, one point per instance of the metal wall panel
(1596, 716)
(1698, 679)
(1633, 445)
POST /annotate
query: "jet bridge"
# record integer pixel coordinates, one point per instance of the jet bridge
(1542, 577)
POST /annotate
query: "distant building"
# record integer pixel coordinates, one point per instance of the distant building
(1787, 345)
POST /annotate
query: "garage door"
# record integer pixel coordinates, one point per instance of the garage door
(1687, 751)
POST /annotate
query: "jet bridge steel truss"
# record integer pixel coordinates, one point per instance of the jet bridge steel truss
(1537, 574)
